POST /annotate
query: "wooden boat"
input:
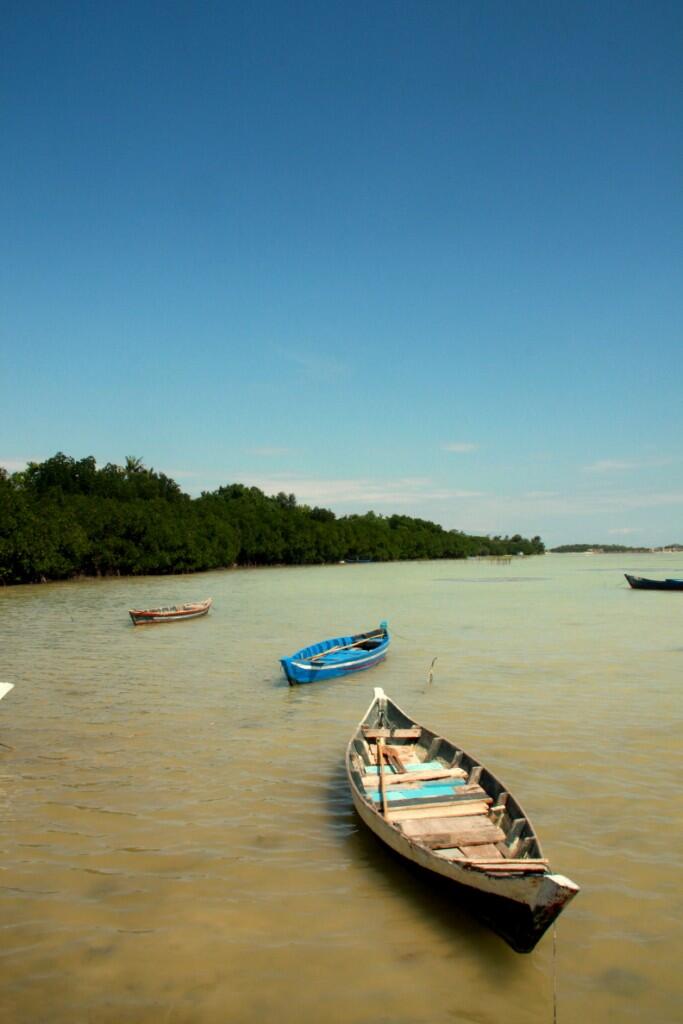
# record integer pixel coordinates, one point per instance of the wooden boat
(641, 583)
(331, 658)
(5, 689)
(440, 809)
(170, 613)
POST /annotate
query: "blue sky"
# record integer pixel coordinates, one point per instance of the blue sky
(420, 256)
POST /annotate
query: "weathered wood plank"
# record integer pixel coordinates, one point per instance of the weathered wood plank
(485, 851)
(433, 748)
(440, 811)
(445, 840)
(515, 830)
(464, 825)
(493, 867)
(501, 867)
(395, 760)
(408, 779)
(394, 734)
(471, 829)
(462, 794)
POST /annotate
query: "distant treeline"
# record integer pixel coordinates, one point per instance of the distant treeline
(609, 549)
(63, 518)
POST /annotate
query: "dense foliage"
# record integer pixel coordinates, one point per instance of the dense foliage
(63, 518)
(606, 549)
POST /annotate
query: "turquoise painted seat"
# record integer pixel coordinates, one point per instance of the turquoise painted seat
(430, 791)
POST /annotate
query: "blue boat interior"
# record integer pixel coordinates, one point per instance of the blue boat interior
(362, 646)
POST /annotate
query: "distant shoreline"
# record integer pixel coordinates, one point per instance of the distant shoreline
(613, 549)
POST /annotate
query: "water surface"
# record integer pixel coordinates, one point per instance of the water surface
(178, 841)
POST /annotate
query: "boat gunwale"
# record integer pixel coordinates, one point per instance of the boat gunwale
(306, 654)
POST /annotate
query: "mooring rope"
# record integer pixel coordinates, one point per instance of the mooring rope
(554, 974)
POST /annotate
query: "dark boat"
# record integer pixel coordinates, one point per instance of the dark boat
(641, 583)
(441, 810)
(170, 613)
(336, 657)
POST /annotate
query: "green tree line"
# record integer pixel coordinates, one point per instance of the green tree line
(63, 518)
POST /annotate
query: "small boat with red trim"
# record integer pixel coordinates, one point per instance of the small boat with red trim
(170, 613)
(338, 656)
(444, 812)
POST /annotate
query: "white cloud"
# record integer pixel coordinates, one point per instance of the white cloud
(362, 491)
(610, 466)
(16, 465)
(624, 465)
(268, 452)
(460, 447)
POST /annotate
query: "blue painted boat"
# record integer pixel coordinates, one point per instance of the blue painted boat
(337, 656)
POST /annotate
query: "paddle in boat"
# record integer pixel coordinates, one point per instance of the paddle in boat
(331, 658)
(642, 583)
(441, 810)
(170, 613)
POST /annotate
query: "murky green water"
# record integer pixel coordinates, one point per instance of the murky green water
(178, 842)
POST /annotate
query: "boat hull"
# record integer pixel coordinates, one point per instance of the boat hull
(142, 616)
(519, 910)
(517, 901)
(642, 583)
(312, 665)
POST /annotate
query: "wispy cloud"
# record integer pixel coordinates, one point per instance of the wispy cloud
(267, 452)
(625, 465)
(362, 491)
(610, 466)
(459, 446)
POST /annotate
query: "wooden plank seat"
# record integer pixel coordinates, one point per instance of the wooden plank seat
(451, 809)
(413, 778)
(429, 794)
(438, 790)
(446, 832)
(391, 734)
(408, 766)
